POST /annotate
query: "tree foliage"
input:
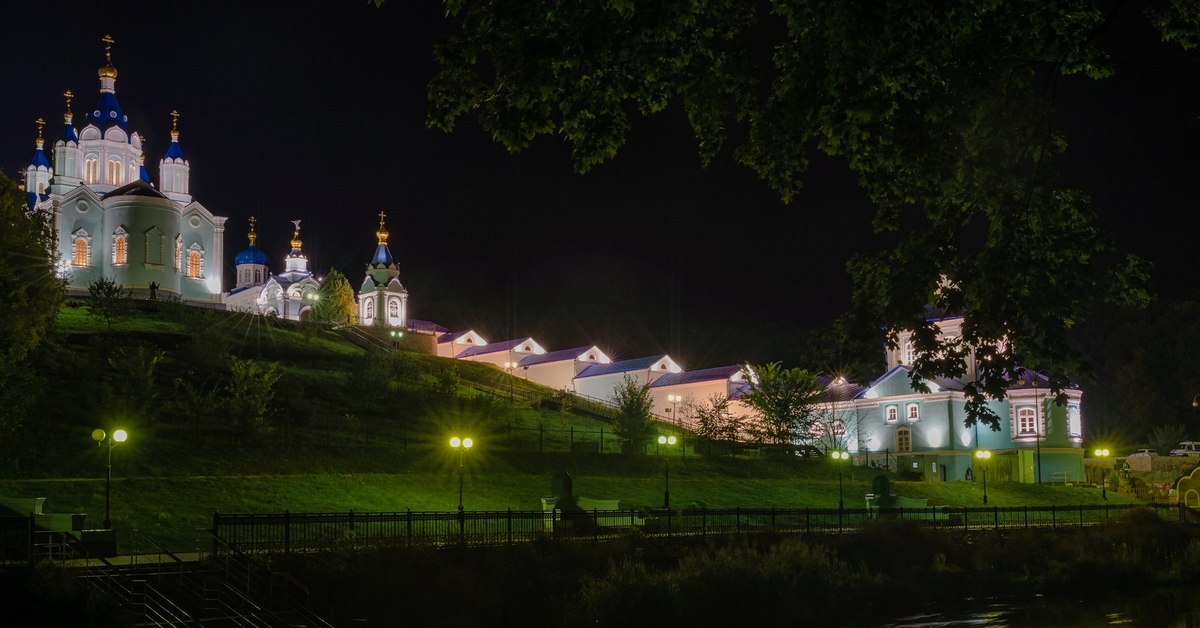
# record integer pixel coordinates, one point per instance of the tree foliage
(784, 399)
(249, 393)
(1164, 438)
(30, 297)
(337, 298)
(942, 110)
(108, 300)
(632, 424)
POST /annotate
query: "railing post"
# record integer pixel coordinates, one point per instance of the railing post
(737, 519)
(595, 526)
(996, 516)
(216, 532)
(703, 522)
(772, 519)
(1026, 509)
(510, 526)
(966, 519)
(287, 532)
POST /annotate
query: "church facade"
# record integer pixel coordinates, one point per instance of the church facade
(110, 220)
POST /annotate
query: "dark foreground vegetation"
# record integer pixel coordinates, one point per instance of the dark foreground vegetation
(891, 569)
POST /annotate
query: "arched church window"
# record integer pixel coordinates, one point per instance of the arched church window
(394, 309)
(120, 254)
(91, 172)
(195, 265)
(1074, 422)
(910, 355)
(82, 249)
(114, 172)
(369, 309)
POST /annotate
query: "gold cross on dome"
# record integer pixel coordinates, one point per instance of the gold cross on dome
(108, 42)
(40, 123)
(174, 120)
(381, 217)
(69, 96)
(253, 221)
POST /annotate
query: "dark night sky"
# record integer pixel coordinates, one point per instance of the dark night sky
(320, 115)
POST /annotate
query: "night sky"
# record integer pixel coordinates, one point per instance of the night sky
(320, 115)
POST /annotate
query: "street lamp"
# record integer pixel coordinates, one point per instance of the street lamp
(396, 336)
(103, 439)
(1102, 454)
(508, 367)
(462, 445)
(983, 455)
(674, 401)
(839, 457)
(668, 441)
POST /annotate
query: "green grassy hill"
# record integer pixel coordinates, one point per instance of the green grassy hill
(349, 428)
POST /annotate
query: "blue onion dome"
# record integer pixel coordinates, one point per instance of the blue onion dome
(107, 111)
(251, 254)
(383, 256)
(174, 151)
(39, 155)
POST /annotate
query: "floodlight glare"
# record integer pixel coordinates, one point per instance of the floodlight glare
(120, 436)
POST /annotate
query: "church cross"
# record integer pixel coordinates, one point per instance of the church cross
(174, 120)
(253, 221)
(69, 96)
(108, 42)
(40, 123)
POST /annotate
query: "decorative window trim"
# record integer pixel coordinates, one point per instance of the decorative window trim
(891, 414)
(368, 308)
(1026, 422)
(1074, 421)
(179, 253)
(154, 236)
(120, 246)
(195, 261)
(912, 412)
(91, 169)
(114, 173)
(81, 237)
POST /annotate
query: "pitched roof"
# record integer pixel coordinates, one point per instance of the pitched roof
(691, 377)
(420, 325)
(562, 355)
(494, 347)
(623, 366)
(137, 188)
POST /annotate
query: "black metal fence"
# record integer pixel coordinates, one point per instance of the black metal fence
(314, 532)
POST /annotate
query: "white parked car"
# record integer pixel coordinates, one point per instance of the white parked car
(1144, 452)
(1187, 448)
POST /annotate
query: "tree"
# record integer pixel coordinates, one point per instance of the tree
(250, 391)
(108, 300)
(30, 296)
(133, 386)
(784, 400)
(337, 298)
(714, 420)
(632, 424)
(1164, 438)
(944, 111)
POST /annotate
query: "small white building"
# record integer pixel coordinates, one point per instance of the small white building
(291, 294)
(557, 369)
(503, 355)
(451, 344)
(382, 299)
(675, 394)
(599, 381)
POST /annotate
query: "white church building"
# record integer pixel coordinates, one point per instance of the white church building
(292, 294)
(110, 220)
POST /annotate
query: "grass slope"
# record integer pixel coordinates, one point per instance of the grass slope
(355, 430)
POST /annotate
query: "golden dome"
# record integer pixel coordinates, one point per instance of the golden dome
(382, 233)
(108, 71)
(296, 242)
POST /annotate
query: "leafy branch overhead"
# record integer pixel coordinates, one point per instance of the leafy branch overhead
(943, 111)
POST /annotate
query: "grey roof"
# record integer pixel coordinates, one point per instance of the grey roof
(713, 374)
(137, 188)
(623, 366)
(420, 325)
(562, 355)
(494, 347)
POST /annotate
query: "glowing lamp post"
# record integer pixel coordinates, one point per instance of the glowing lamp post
(508, 367)
(840, 457)
(1102, 454)
(396, 336)
(110, 441)
(461, 445)
(667, 441)
(983, 455)
(674, 401)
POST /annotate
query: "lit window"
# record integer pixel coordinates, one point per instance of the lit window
(892, 414)
(913, 413)
(195, 265)
(369, 307)
(114, 172)
(394, 309)
(120, 253)
(91, 173)
(903, 439)
(816, 430)
(910, 354)
(81, 251)
(838, 428)
(1027, 422)
(1074, 422)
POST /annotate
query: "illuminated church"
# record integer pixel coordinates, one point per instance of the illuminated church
(292, 294)
(110, 220)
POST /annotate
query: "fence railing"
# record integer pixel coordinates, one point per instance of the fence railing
(287, 532)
